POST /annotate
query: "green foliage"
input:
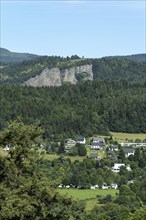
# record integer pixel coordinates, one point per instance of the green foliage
(25, 192)
(85, 109)
(106, 199)
(114, 68)
(138, 215)
(111, 68)
(61, 148)
(81, 149)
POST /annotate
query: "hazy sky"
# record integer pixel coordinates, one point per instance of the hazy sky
(86, 28)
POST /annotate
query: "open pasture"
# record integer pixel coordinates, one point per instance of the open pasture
(124, 137)
(89, 196)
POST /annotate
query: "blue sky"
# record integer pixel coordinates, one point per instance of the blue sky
(64, 28)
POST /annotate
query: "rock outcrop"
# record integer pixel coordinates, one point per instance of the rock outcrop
(55, 76)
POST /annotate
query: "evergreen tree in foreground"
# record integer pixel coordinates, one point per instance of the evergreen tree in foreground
(25, 193)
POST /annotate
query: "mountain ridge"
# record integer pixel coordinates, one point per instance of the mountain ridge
(40, 71)
(6, 56)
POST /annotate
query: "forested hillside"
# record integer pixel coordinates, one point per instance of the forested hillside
(7, 57)
(112, 68)
(85, 108)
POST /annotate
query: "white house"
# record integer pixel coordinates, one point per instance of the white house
(114, 147)
(117, 166)
(98, 140)
(94, 187)
(70, 143)
(81, 140)
(114, 185)
(6, 148)
(96, 146)
(128, 151)
(105, 186)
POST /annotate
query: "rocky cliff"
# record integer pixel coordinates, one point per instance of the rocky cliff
(55, 76)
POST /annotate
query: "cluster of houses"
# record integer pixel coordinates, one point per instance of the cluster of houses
(104, 186)
(114, 148)
(98, 143)
(133, 144)
(71, 143)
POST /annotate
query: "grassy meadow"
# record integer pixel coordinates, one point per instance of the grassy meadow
(88, 195)
(123, 137)
(55, 156)
(2, 152)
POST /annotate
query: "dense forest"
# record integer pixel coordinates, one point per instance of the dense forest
(87, 108)
(114, 101)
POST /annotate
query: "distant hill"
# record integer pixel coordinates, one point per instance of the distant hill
(133, 57)
(56, 70)
(137, 57)
(7, 56)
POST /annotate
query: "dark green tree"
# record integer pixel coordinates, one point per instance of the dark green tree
(61, 148)
(81, 149)
(25, 192)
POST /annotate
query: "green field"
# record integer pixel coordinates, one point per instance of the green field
(88, 195)
(123, 137)
(2, 152)
(55, 156)
(99, 152)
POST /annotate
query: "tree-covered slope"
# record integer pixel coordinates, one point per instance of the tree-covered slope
(137, 57)
(112, 68)
(133, 57)
(7, 56)
(83, 109)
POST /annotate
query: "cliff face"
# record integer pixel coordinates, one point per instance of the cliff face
(55, 76)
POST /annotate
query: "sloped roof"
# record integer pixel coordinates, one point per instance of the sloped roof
(128, 150)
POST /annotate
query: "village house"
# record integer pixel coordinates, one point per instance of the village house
(117, 166)
(114, 147)
(96, 146)
(98, 140)
(6, 148)
(133, 144)
(95, 156)
(69, 144)
(81, 140)
(128, 151)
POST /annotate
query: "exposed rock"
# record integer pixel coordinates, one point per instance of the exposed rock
(46, 78)
(55, 76)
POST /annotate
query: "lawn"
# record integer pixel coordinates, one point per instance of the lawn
(2, 152)
(55, 156)
(88, 195)
(123, 137)
(99, 152)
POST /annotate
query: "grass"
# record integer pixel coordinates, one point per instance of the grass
(74, 158)
(2, 152)
(88, 195)
(123, 137)
(99, 152)
(55, 156)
